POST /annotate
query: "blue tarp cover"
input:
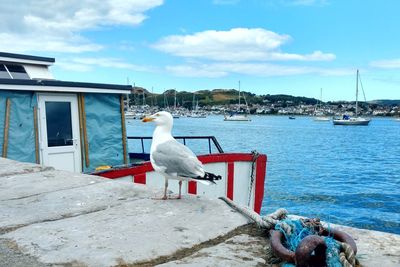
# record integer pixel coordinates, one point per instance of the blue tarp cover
(21, 142)
(104, 130)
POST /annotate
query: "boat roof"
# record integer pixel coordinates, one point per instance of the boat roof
(62, 86)
(28, 59)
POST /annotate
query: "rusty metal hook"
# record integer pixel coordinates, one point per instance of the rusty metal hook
(311, 252)
(277, 247)
(304, 255)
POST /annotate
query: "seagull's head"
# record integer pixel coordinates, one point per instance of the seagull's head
(160, 118)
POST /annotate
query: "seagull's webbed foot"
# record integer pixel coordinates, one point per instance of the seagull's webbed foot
(160, 198)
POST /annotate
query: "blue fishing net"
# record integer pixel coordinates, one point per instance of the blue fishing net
(299, 232)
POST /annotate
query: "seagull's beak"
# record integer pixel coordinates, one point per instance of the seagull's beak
(147, 119)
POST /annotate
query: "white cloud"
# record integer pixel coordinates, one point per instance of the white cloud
(56, 26)
(255, 69)
(86, 64)
(238, 44)
(386, 64)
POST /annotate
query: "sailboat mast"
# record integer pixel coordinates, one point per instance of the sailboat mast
(175, 100)
(357, 95)
(239, 96)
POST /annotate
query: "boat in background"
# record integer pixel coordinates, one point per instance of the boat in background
(321, 118)
(130, 115)
(196, 114)
(319, 115)
(347, 120)
(237, 116)
(292, 118)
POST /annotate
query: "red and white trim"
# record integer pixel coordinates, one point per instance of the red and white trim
(235, 169)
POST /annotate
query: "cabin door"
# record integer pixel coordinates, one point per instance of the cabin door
(59, 132)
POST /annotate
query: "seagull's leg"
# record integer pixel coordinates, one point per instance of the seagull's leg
(165, 189)
(180, 189)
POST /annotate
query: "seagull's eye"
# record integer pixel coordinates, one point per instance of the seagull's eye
(157, 115)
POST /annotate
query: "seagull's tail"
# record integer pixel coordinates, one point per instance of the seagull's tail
(209, 177)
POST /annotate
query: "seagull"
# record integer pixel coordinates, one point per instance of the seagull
(172, 159)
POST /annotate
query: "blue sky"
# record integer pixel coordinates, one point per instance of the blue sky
(272, 46)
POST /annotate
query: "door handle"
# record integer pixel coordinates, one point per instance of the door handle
(74, 141)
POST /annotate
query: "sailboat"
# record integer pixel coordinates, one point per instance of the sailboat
(235, 116)
(195, 109)
(175, 114)
(347, 120)
(319, 115)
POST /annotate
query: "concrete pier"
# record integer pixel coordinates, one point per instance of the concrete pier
(56, 218)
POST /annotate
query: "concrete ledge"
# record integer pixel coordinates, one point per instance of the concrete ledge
(57, 218)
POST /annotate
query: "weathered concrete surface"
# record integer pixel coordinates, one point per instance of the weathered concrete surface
(62, 203)
(375, 248)
(240, 250)
(55, 217)
(30, 184)
(8, 167)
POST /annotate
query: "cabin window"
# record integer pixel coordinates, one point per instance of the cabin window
(4, 73)
(58, 122)
(17, 71)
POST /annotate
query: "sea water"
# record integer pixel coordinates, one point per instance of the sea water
(342, 174)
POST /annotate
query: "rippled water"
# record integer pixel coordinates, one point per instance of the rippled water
(347, 175)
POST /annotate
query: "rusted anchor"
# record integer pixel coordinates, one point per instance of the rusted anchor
(311, 250)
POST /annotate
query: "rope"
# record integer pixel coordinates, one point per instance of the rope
(347, 256)
(253, 165)
(268, 222)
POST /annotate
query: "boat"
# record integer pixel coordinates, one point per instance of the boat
(243, 174)
(175, 114)
(195, 110)
(349, 121)
(129, 115)
(321, 118)
(318, 114)
(236, 116)
(292, 118)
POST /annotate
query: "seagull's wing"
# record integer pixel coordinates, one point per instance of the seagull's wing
(177, 159)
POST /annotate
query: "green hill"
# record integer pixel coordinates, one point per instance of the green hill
(211, 97)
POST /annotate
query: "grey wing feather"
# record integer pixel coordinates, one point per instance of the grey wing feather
(177, 158)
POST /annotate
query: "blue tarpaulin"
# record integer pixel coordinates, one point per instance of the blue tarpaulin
(21, 135)
(104, 130)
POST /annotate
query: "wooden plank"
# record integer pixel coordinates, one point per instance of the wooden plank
(36, 129)
(6, 128)
(81, 127)
(85, 139)
(123, 130)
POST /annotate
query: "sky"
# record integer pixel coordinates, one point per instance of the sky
(291, 47)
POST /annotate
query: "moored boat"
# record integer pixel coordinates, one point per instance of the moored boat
(351, 121)
(321, 118)
(234, 116)
(237, 117)
(347, 120)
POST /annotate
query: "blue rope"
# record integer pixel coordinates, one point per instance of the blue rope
(299, 232)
